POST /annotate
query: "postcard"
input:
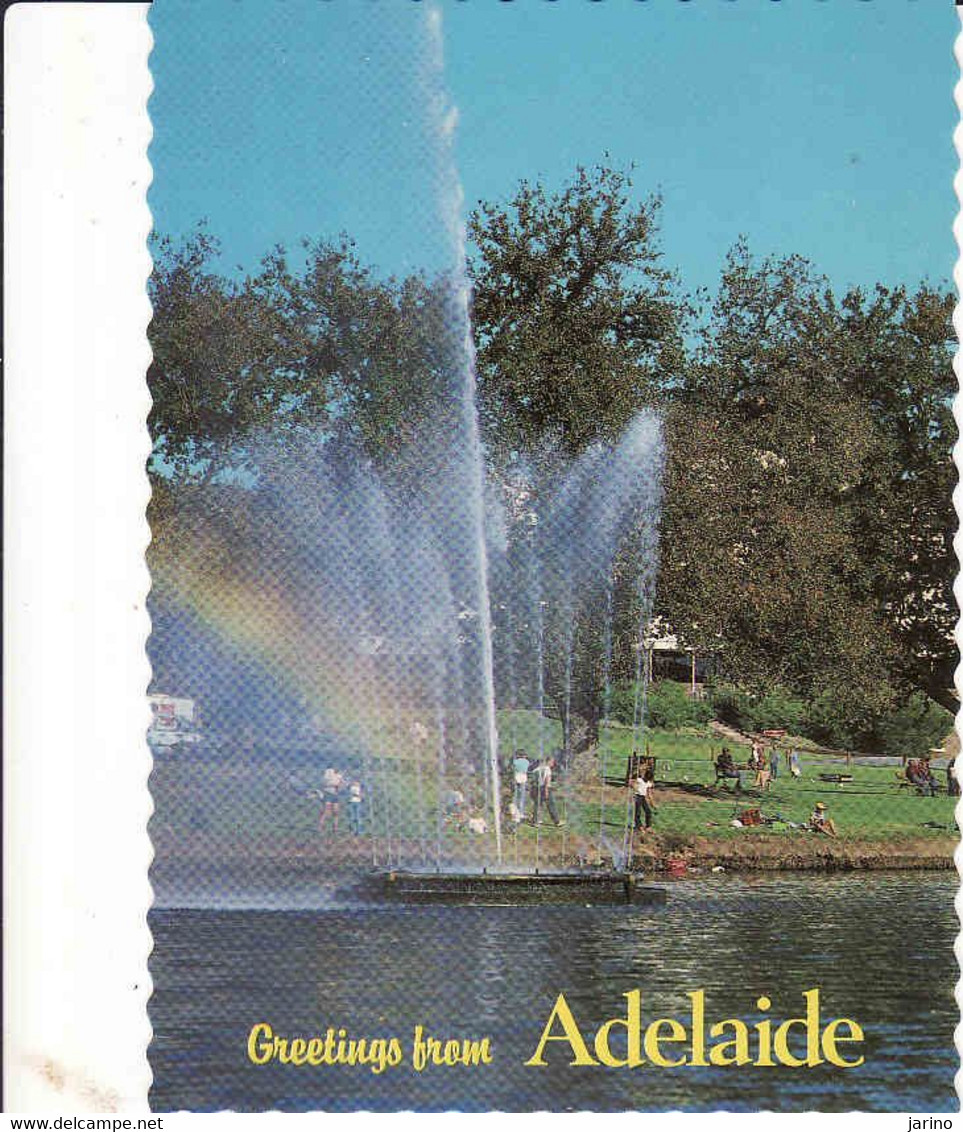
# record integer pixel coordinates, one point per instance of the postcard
(552, 605)
(552, 558)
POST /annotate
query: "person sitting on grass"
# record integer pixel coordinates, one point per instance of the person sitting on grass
(476, 824)
(821, 822)
(455, 807)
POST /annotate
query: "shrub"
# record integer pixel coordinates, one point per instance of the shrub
(912, 728)
(758, 712)
(731, 705)
(829, 721)
(668, 705)
(779, 708)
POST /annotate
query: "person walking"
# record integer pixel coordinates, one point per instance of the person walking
(644, 791)
(543, 791)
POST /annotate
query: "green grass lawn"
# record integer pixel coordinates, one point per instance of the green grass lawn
(872, 806)
(254, 799)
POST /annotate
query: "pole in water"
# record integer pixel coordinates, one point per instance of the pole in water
(607, 699)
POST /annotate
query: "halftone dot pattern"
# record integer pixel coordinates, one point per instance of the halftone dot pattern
(475, 972)
(347, 625)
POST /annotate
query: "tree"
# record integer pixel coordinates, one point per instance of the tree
(576, 322)
(806, 532)
(328, 346)
(226, 359)
(894, 352)
(578, 327)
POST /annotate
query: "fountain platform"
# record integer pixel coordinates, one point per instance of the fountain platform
(507, 889)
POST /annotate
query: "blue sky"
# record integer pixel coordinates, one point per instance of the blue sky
(821, 127)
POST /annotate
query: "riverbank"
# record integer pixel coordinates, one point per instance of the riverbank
(801, 853)
(332, 858)
(254, 821)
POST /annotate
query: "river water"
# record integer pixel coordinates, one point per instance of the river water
(879, 947)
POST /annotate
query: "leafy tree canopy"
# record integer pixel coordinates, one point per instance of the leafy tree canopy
(807, 530)
(807, 524)
(577, 323)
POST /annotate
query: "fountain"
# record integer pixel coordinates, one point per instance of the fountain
(384, 600)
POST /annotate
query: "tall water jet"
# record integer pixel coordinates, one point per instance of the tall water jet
(451, 200)
(340, 593)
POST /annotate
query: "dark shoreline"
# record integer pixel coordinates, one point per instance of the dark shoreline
(804, 853)
(328, 871)
(823, 862)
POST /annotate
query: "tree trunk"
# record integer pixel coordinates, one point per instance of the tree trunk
(945, 697)
(566, 719)
(592, 718)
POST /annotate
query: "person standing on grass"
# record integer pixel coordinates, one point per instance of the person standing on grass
(794, 768)
(520, 768)
(355, 799)
(928, 780)
(918, 772)
(644, 791)
(763, 777)
(952, 782)
(774, 763)
(543, 791)
(331, 783)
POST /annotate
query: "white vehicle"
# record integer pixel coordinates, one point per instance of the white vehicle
(173, 720)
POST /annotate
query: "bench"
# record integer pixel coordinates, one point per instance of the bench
(903, 783)
(730, 776)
